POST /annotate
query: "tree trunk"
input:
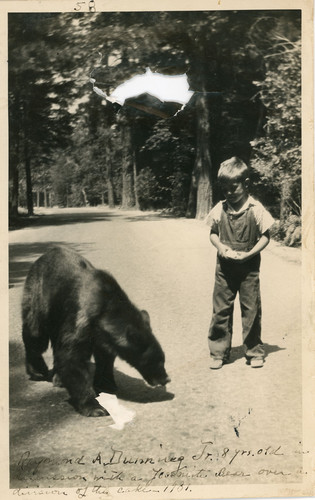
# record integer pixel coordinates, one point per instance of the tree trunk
(137, 205)
(14, 158)
(192, 200)
(29, 189)
(109, 178)
(110, 193)
(200, 197)
(85, 200)
(128, 196)
(37, 197)
(14, 189)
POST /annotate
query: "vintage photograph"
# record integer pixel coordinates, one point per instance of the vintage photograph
(156, 224)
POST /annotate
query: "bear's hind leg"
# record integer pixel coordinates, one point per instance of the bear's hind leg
(34, 348)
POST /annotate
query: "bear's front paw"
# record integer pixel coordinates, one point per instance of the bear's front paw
(98, 412)
(93, 409)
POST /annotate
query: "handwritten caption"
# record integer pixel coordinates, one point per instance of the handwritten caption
(156, 473)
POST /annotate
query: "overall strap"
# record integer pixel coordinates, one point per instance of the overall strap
(238, 230)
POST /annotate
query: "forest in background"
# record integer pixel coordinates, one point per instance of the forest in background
(68, 147)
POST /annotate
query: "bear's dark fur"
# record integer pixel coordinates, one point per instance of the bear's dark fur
(83, 311)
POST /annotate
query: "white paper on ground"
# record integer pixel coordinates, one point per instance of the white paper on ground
(119, 413)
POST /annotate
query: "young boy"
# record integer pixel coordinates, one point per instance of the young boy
(239, 229)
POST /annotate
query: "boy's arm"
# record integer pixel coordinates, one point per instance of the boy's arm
(214, 219)
(260, 245)
(215, 240)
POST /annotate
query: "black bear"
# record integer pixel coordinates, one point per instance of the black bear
(83, 311)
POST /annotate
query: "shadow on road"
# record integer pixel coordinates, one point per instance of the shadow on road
(60, 219)
(48, 405)
(34, 406)
(66, 218)
(149, 217)
(38, 410)
(136, 390)
(238, 352)
(22, 255)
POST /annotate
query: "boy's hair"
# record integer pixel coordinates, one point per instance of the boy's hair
(233, 169)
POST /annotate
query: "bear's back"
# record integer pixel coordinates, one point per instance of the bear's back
(54, 282)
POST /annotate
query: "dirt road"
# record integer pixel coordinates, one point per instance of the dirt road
(234, 425)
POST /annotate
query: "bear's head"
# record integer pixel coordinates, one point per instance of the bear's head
(151, 366)
(148, 356)
(129, 336)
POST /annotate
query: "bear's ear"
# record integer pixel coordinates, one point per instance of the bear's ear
(145, 317)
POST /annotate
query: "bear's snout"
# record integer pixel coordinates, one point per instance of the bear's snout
(167, 380)
(159, 381)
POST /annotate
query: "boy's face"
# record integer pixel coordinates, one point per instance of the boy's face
(235, 192)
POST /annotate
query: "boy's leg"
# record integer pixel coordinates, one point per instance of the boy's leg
(251, 316)
(220, 332)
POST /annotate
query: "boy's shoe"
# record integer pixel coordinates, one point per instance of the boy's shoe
(256, 362)
(215, 364)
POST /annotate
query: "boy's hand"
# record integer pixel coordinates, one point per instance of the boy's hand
(227, 253)
(223, 251)
(241, 256)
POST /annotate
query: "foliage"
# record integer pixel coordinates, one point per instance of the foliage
(38, 116)
(277, 152)
(244, 67)
(171, 162)
(149, 190)
(289, 231)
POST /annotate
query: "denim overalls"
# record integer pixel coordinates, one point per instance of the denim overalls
(239, 231)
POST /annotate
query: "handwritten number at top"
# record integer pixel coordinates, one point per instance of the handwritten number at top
(78, 6)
